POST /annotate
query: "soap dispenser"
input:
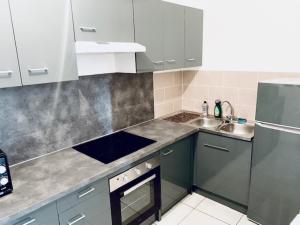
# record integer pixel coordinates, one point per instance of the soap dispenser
(218, 109)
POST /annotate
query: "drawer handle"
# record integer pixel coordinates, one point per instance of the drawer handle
(191, 60)
(90, 190)
(168, 152)
(76, 219)
(171, 61)
(158, 62)
(88, 29)
(217, 147)
(5, 74)
(30, 221)
(38, 71)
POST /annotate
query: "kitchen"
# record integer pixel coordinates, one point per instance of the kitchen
(149, 112)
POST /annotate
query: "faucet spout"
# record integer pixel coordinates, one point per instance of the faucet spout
(228, 118)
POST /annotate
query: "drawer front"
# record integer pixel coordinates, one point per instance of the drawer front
(44, 216)
(94, 211)
(223, 166)
(82, 195)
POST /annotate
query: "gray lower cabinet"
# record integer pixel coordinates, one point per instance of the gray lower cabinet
(176, 168)
(93, 211)
(9, 65)
(148, 22)
(45, 40)
(193, 37)
(88, 206)
(103, 20)
(44, 216)
(222, 166)
(173, 36)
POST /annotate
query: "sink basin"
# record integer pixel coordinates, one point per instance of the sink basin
(207, 122)
(238, 129)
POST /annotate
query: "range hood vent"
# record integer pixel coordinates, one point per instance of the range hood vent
(106, 57)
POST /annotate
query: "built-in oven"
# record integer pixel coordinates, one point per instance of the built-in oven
(135, 194)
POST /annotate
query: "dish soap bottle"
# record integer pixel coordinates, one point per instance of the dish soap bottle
(205, 109)
(218, 109)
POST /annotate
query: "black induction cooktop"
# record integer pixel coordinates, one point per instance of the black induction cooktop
(112, 147)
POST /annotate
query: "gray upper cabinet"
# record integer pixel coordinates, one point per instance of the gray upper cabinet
(103, 20)
(171, 33)
(45, 40)
(148, 21)
(173, 36)
(193, 37)
(222, 166)
(9, 66)
(44, 216)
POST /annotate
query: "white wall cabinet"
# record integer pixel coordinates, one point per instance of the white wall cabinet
(103, 20)
(45, 40)
(9, 68)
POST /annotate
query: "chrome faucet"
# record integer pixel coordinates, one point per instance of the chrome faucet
(228, 118)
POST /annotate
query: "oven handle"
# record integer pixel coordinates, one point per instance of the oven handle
(139, 185)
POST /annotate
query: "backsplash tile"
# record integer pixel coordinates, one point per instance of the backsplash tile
(39, 119)
(240, 88)
(167, 92)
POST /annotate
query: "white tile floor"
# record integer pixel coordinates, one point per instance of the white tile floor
(198, 210)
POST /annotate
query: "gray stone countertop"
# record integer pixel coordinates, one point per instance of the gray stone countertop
(44, 180)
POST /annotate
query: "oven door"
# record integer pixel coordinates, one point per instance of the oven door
(136, 201)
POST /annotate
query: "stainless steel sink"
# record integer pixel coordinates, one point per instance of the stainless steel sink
(238, 129)
(207, 122)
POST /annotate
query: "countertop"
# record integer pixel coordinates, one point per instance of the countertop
(46, 179)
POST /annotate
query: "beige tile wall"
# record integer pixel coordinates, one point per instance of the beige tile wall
(187, 90)
(240, 88)
(167, 93)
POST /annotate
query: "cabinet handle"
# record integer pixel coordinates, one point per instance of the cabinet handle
(171, 61)
(168, 152)
(90, 190)
(217, 147)
(88, 29)
(191, 60)
(5, 74)
(38, 71)
(29, 221)
(158, 62)
(76, 219)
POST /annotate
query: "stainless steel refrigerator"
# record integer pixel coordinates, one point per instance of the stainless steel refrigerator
(274, 197)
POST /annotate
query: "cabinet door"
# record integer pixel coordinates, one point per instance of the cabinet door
(173, 36)
(94, 211)
(45, 40)
(193, 37)
(103, 20)
(44, 216)
(9, 67)
(175, 172)
(148, 20)
(223, 166)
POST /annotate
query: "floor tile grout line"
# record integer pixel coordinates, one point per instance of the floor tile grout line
(186, 216)
(192, 206)
(211, 216)
(240, 219)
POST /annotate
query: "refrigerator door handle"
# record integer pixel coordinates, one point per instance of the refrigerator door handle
(293, 130)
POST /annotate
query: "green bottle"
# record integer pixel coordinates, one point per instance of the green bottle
(218, 109)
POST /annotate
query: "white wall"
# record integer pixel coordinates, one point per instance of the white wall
(250, 35)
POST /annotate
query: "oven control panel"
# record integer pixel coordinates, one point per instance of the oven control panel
(133, 173)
